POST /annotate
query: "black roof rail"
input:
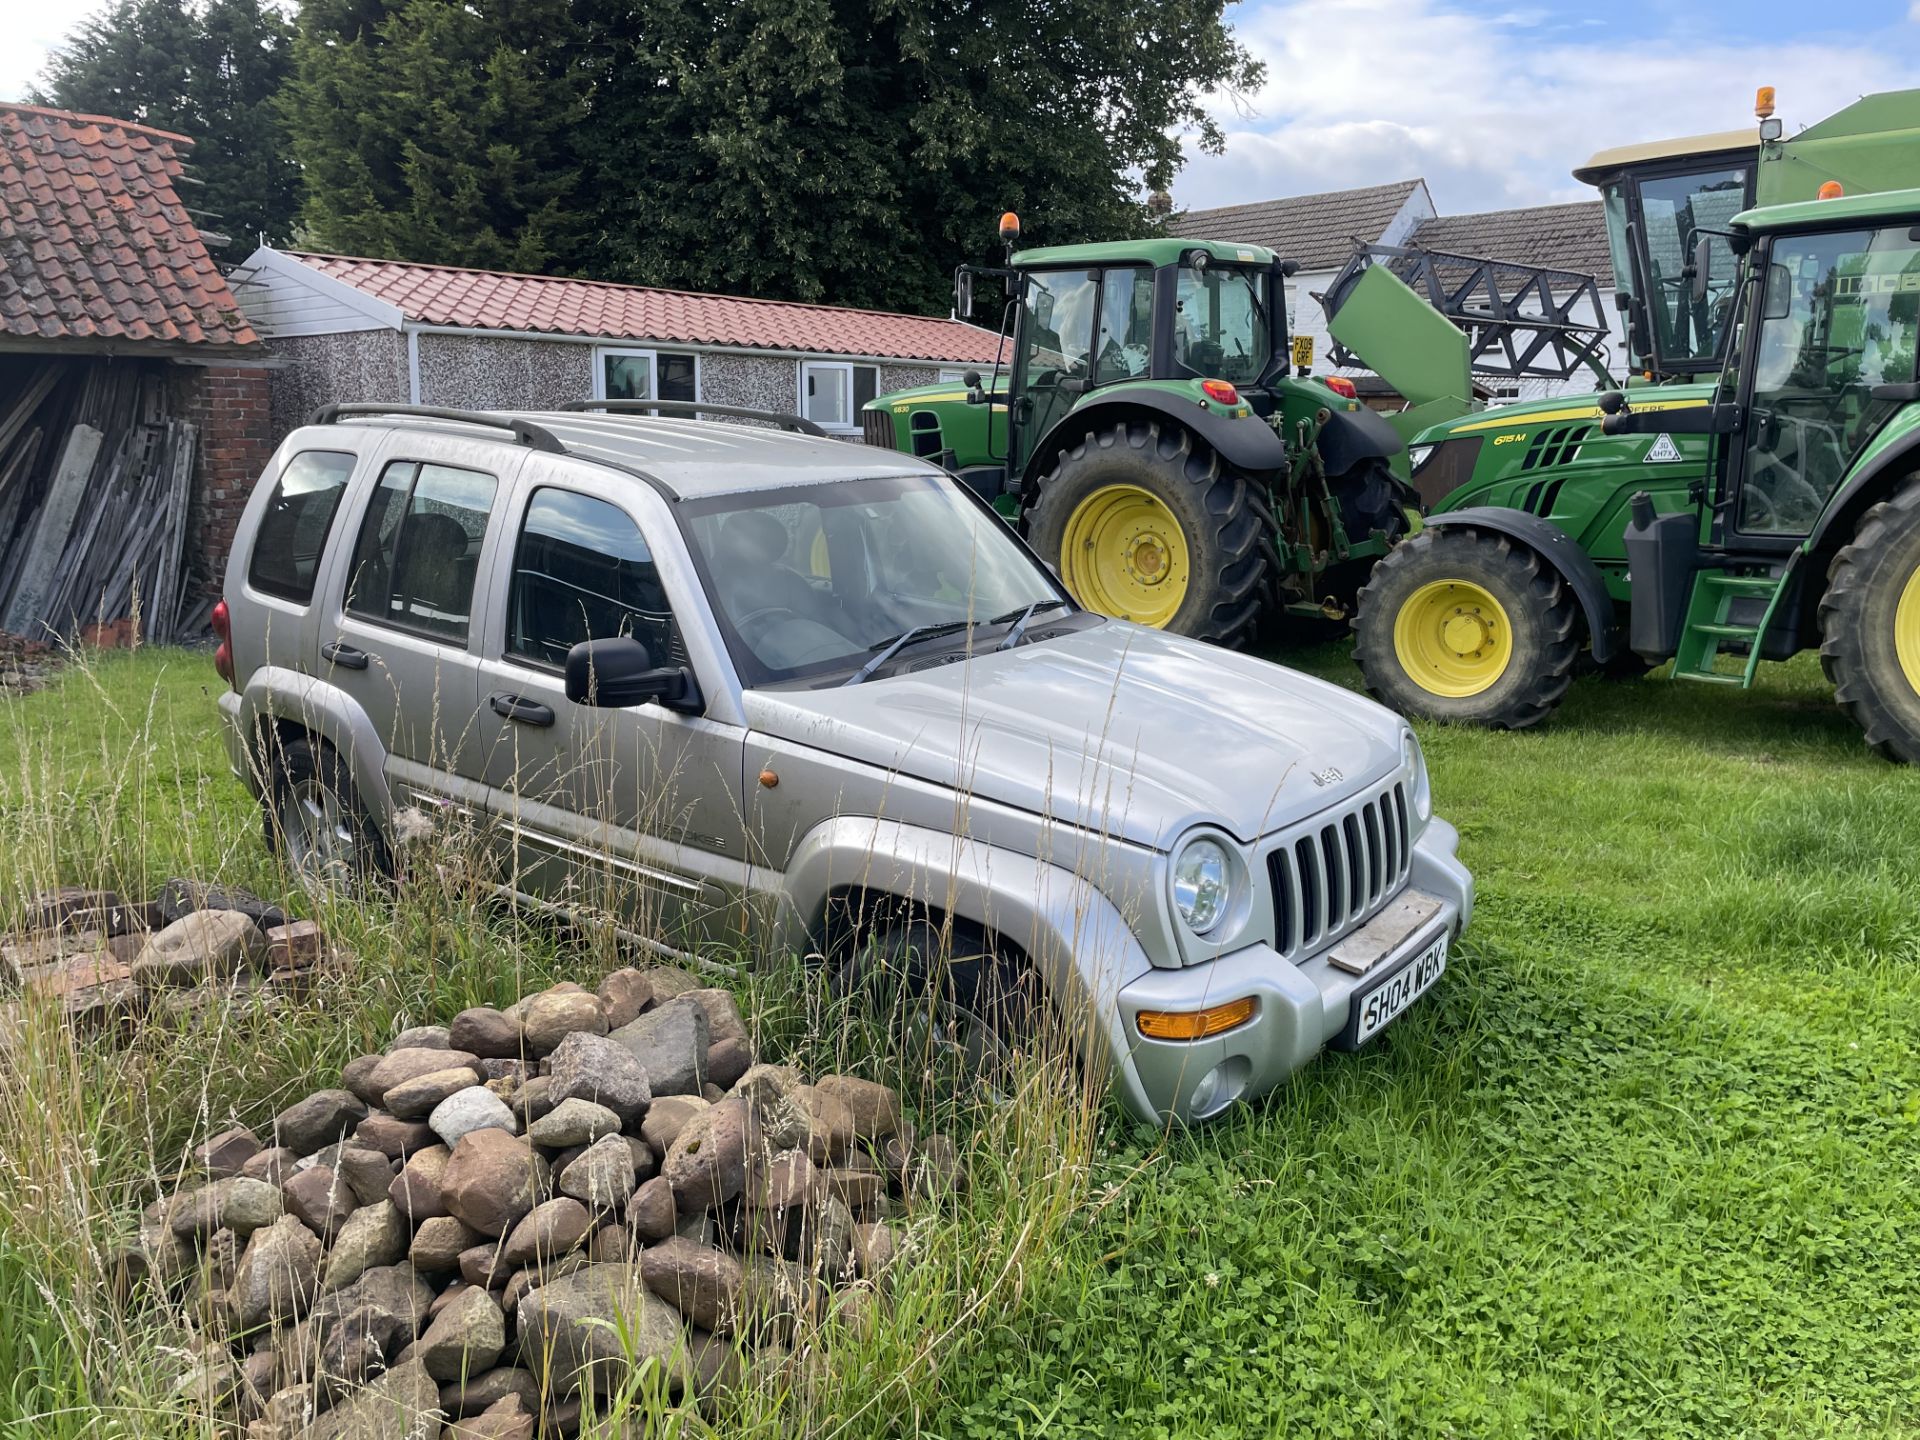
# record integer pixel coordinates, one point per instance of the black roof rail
(697, 408)
(527, 433)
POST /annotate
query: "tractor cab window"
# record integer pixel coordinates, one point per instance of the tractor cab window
(1057, 339)
(1221, 323)
(1839, 313)
(1125, 349)
(1673, 209)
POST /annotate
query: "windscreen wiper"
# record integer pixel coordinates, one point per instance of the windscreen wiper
(1021, 619)
(900, 642)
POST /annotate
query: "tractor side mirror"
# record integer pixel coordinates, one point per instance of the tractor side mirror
(1779, 297)
(1611, 402)
(963, 293)
(1702, 267)
(976, 392)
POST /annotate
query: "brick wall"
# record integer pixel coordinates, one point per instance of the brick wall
(229, 404)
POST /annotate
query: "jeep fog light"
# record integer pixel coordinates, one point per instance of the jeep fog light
(1200, 885)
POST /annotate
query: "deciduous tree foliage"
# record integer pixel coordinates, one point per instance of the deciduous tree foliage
(857, 150)
(440, 131)
(211, 71)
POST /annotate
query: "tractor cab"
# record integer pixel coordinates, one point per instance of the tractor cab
(1816, 418)
(1146, 431)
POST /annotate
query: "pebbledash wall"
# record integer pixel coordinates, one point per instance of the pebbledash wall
(479, 372)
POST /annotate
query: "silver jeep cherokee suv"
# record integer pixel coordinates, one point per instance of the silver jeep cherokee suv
(738, 684)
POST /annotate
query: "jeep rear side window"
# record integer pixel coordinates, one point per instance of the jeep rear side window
(419, 548)
(582, 571)
(293, 533)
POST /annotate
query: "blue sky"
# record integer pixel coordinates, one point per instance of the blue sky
(1494, 104)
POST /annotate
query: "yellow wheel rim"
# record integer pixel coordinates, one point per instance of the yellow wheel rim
(1124, 554)
(1906, 630)
(1452, 638)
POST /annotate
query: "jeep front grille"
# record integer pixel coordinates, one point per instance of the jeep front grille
(1332, 875)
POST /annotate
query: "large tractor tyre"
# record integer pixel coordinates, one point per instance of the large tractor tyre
(1468, 626)
(1373, 499)
(1148, 524)
(314, 819)
(1870, 627)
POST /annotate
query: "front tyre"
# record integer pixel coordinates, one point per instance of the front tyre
(1870, 627)
(1147, 524)
(1467, 625)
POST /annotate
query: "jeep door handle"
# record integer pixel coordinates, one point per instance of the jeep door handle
(345, 656)
(519, 709)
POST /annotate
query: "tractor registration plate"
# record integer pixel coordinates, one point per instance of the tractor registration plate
(1375, 1009)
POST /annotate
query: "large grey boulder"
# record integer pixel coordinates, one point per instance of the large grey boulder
(670, 1043)
(372, 1235)
(707, 1165)
(602, 1178)
(237, 1204)
(410, 1062)
(202, 945)
(492, 1180)
(416, 1098)
(701, 1282)
(571, 1329)
(573, 1121)
(277, 1276)
(604, 1070)
(551, 1229)
(468, 1110)
(548, 1018)
(466, 1338)
(324, 1117)
(403, 1404)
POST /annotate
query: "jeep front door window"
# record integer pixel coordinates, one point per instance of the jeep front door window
(1057, 349)
(1221, 329)
(1673, 210)
(1839, 315)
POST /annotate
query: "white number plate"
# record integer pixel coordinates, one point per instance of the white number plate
(1382, 1005)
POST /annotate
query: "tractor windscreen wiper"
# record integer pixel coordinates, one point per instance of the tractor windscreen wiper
(1021, 619)
(900, 642)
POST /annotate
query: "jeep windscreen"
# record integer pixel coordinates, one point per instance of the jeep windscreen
(1220, 325)
(814, 583)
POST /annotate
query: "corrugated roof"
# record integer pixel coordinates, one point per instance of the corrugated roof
(1316, 230)
(497, 300)
(95, 245)
(1559, 237)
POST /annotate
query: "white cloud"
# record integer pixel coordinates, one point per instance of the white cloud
(1496, 109)
(32, 29)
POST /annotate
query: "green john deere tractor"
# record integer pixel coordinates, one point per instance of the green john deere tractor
(1757, 495)
(1148, 438)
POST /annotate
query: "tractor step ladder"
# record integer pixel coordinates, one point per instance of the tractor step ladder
(1710, 627)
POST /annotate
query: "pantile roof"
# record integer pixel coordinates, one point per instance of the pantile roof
(1558, 237)
(1316, 230)
(496, 300)
(96, 248)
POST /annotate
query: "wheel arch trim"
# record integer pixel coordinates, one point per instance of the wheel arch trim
(1247, 444)
(282, 699)
(1871, 483)
(1560, 551)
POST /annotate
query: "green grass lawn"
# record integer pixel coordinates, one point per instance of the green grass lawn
(1644, 1164)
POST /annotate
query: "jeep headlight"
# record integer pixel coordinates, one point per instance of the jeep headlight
(1416, 764)
(1202, 884)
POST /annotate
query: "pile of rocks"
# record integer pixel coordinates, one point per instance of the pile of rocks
(491, 1219)
(25, 665)
(102, 958)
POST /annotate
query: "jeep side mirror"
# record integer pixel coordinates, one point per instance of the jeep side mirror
(963, 293)
(617, 672)
(1702, 267)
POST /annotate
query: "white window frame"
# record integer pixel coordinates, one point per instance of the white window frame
(846, 367)
(604, 353)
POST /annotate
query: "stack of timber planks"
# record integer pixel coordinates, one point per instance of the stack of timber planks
(95, 475)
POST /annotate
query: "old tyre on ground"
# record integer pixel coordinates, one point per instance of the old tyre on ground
(1148, 524)
(315, 819)
(1870, 627)
(1469, 626)
(950, 1010)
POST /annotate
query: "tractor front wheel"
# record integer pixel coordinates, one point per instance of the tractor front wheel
(1147, 524)
(1465, 625)
(1870, 627)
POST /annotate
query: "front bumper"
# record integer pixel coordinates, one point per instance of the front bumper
(1301, 1007)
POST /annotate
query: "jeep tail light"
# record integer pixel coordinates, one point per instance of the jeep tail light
(223, 654)
(1221, 392)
